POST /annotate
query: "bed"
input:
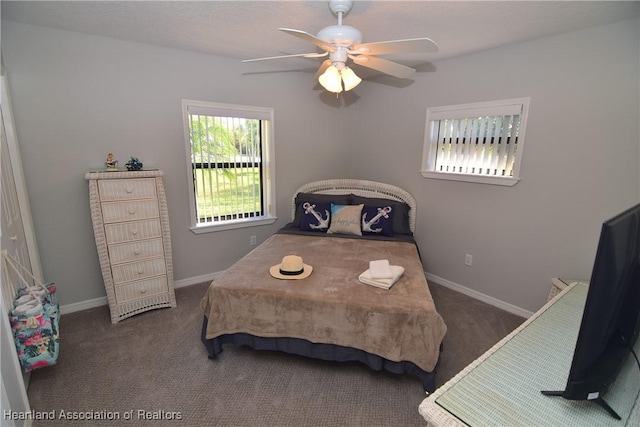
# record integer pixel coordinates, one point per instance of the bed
(338, 226)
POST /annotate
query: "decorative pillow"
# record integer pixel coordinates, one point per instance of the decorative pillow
(315, 216)
(338, 199)
(400, 211)
(345, 219)
(377, 220)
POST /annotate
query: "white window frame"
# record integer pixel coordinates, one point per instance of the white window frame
(478, 109)
(266, 115)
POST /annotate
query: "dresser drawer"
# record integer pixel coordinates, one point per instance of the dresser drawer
(141, 289)
(126, 189)
(130, 231)
(129, 211)
(137, 270)
(126, 252)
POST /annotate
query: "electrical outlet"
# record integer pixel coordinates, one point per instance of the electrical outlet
(468, 260)
(252, 240)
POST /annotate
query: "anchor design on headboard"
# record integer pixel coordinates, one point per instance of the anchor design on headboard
(322, 222)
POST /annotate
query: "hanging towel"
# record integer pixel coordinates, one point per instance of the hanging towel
(396, 271)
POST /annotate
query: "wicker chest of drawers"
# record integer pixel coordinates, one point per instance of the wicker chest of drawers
(131, 228)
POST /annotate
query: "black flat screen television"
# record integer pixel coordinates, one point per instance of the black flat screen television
(611, 318)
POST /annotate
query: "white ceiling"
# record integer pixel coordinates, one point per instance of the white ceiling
(248, 29)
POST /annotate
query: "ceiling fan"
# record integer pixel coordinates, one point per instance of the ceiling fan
(343, 42)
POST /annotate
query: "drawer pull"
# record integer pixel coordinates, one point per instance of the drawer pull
(134, 231)
(129, 190)
(131, 211)
(140, 271)
(143, 290)
(137, 251)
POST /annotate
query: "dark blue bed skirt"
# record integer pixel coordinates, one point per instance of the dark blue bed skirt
(306, 348)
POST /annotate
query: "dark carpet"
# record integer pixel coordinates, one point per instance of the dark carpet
(153, 370)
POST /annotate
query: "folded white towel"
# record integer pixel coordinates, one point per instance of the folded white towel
(396, 270)
(380, 269)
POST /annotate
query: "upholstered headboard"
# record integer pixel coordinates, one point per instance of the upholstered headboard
(361, 188)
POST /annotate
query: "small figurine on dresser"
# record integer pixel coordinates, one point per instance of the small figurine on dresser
(111, 163)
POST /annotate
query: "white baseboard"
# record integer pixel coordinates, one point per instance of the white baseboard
(83, 305)
(479, 296)
(195, 280)
(97, 302)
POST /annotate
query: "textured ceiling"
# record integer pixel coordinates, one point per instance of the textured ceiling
(248, 29)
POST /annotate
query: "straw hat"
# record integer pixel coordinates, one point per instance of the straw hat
(291, 268)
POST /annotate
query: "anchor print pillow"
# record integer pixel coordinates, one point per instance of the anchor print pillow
(377, 220)
(345, 219)
(301, 198)
(315, 216)
(400, 211)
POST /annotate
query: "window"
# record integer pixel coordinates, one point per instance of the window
(479, 142)
(230, 165)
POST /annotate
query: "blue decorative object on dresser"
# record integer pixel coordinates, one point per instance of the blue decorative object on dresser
(134, 164)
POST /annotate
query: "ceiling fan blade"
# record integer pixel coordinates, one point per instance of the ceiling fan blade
(419, 45)
(322, 69)
(304, 55)
(310, 38)
(388, 67)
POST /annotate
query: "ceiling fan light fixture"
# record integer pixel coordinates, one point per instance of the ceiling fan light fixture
(350, 79)
(343, 43)
(331, 80)
(334, 76)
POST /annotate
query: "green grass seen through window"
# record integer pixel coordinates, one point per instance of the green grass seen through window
(222, 192)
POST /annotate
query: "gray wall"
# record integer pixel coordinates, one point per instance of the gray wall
(77, 97)
(580, 165)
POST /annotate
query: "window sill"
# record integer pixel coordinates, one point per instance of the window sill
(230, 225)
(493, 180)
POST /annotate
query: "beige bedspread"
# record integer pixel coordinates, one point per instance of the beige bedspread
(330, 306)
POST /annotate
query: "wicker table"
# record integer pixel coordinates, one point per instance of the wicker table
(502, 387)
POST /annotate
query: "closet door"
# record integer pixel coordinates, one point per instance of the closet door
(17, 237)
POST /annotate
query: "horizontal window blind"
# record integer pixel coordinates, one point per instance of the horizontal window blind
(475, 110)
(237, 111)
(485, 145)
